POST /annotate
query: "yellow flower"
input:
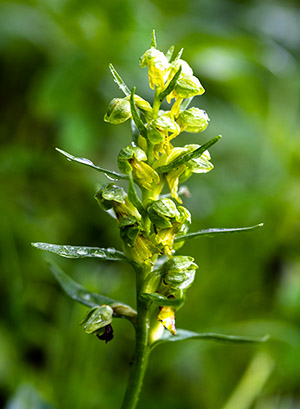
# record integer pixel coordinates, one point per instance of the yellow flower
(158, 66)
(166, 316)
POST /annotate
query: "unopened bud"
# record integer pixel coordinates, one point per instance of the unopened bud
(193, 120)
(118, 111)
(96, 319)
(188, 86)
(162, 212)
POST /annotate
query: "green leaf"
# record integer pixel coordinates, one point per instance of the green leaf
(88, 298)
(118, 80)
(178, 56)
(161, 300)
(135, 116)
(153, 39)
(214, 232)
(171, 86)
(81, 252)
(133, 197)
(184, 335)
(170, 52)
(188, 156)
(108, 173)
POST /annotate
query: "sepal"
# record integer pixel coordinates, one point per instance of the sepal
(96, 319)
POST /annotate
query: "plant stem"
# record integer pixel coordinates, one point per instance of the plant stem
(141, 349)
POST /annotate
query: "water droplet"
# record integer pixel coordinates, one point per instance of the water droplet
(82, 252)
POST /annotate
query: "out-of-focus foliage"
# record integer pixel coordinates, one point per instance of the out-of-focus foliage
(55, 87)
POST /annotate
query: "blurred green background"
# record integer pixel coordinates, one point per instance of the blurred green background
(55, 87)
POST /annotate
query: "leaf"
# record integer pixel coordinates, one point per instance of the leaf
(186, 103)
(118, 80)
(135, 116)
(88, 298)
(213, 232)
(184, 335)
(170, 52)
(161, 300)
(153, 39)
(108, 173)
(188, 156)
(171, 86)
(133, 197)
(81, 252)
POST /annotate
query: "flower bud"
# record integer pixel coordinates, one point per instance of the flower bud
(161, 212)
(179, 272)
(193, 120)
(129, 229)
(118, 111)
(109, 195)
(188, 86)
(96, 319)
(114, 197)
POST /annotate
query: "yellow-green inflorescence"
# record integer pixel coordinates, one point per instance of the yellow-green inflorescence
(150, 221)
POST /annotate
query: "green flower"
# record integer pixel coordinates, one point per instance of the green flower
(183, 172)
(132, 159)
(168, 220)
(114, 197)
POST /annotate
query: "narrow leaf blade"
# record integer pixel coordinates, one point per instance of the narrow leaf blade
(185, 335)
(88, 298)
(135, 116)
(133, 197)
(108, 173)
(216, 231)
(119, 81)
(76, 291)
(161, 300)
(188, 156)
(67, 251)
(171, 85)
(153, 39)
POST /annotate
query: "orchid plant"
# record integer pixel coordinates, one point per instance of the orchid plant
(153, 224)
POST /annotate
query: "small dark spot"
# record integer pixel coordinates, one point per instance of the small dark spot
(107, 335)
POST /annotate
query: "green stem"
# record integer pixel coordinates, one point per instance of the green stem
(141, 354)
